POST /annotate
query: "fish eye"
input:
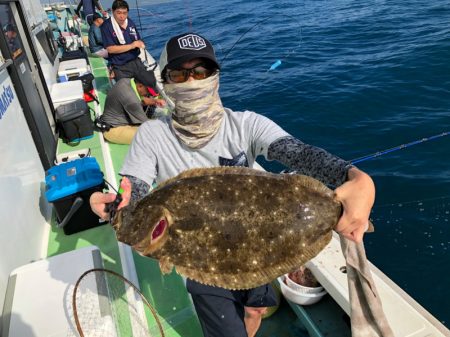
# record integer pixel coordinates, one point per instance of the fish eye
(159, 229)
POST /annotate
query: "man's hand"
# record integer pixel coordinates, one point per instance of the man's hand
(138, 44)
(123, 48)
(153, 101)
(99, 200)
(160, 102)
(357, 196)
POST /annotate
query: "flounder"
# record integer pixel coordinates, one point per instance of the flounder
(232, 227)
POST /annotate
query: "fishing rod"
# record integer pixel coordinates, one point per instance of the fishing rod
(399, 147)
(140, 29)
(169, 102)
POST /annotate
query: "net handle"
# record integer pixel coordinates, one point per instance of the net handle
(74, 301)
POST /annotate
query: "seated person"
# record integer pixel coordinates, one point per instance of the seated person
(128, 105)
(95, 37)
(123, 42)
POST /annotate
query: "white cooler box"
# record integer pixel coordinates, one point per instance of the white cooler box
(72, 68)
(66, 92)
(38, 300)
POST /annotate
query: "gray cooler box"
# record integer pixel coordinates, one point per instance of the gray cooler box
(74, 121)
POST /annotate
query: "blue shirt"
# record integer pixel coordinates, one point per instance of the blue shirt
(130, 34)
(95, 38)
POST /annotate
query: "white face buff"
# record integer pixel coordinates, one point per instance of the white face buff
(198, 110)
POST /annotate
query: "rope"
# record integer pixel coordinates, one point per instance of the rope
(396, 148)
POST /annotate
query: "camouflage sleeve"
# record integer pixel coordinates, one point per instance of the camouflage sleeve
(139, 188)
(309, 160)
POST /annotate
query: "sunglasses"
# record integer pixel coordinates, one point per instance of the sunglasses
(198, 72)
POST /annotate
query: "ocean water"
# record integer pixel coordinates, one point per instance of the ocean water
(355, 78)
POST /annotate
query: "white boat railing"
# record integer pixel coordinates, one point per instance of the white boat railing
(406, 317)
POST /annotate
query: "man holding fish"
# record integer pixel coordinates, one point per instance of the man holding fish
(201, 133)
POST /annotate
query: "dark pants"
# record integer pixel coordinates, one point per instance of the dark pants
(132, 68)
(221, 311)
(90, 19)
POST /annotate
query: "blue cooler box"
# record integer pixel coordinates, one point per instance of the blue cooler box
(69, 187)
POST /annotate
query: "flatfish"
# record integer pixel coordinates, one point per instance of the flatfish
(232, 227)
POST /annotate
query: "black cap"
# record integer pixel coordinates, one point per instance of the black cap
(146, 78)
(185, 47)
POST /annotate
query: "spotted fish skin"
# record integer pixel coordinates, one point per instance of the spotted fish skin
(232, 227)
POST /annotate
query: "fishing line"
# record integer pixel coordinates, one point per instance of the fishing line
(399, 147)
(278, 61)
(144, 32)
(240, 38)
(256, 79)
(110, 185)
(187, 9)
(411, 202)
(150, 13)
(139, 16)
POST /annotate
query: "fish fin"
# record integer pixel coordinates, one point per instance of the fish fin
(257, 277)
(239, 281)
(165, 265)
(209, 171)
(310, 183)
